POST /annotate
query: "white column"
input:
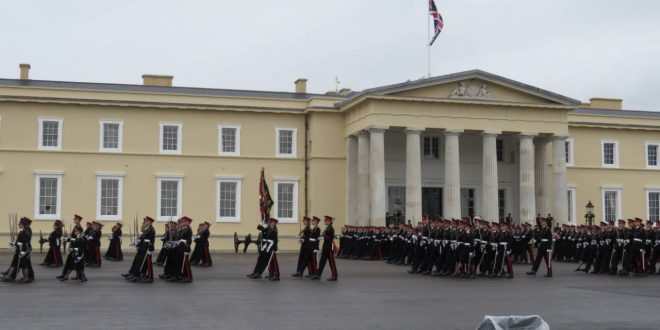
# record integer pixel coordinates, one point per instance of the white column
(451, 194)
(541, 176)
(527, 193)
(363, 179)
(351, 180)
(413, 175)
(560, 205)
(377, 176)
(489, 184)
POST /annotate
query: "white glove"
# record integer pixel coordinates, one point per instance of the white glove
(23, 254)
(150, 252)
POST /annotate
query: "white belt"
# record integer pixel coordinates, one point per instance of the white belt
(312, 239)
(147, 240)
(544, 240)
(504, 243)
(182, 241)
(466, 244)
(638, 239)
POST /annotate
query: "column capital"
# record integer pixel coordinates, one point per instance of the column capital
(361, 133)
(560, 137)
(413, 130)
(491, 132)
(377, 129)
(528, 134)
(454, 131)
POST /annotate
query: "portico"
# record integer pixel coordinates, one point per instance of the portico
(454, 147)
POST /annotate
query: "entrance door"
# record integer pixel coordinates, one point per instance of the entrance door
(431, 202)
(467, 202)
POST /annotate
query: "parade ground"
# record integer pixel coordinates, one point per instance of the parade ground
(368, 295)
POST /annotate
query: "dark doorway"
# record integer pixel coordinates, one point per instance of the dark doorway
(431, 202)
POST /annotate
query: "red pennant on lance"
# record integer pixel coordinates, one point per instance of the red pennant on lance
(438, 22)
(265, 201)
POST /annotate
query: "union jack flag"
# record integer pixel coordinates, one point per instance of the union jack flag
(438, 23)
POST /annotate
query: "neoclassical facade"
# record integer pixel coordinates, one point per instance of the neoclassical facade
(452, 146)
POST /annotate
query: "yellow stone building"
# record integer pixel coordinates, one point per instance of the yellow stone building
(459, 145)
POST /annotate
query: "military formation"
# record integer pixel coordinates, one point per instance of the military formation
(611, 248)
(453, 248)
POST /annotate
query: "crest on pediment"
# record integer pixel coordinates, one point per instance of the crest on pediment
(472, 90)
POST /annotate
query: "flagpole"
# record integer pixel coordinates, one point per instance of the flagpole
(428, 42)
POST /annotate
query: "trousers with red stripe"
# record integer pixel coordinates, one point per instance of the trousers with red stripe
(329, 256)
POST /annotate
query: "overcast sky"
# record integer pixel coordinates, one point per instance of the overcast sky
(578, 48)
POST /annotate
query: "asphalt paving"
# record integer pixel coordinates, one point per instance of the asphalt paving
(368, 295)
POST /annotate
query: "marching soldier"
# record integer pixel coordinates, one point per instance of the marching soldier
(142, 268)
(114, 252)
(304, 256)
(201, 256)
(54, 255)
(543, 235)
(76, 258)
(267, 252)
(166, 248)
(22, 248)
(93, 238)
(327, 251)
(178, 268)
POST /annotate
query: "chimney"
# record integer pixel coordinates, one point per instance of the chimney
(344, 91)
(25, 71)
(301, 86)
(605, 103)
(157, 80)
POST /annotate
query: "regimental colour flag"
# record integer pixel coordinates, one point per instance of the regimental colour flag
(438, 23)
(265, 202)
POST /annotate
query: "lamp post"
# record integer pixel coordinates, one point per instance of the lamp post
(589, 217)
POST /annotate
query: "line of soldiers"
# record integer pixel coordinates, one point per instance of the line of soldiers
(457, 248)
(310, 238)
(176, 250)
(602, 249)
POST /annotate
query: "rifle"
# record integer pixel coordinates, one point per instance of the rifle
(41, 242)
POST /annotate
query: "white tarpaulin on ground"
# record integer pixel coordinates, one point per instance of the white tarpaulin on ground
(529, 322)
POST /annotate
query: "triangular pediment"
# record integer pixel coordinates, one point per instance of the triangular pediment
(474, 85)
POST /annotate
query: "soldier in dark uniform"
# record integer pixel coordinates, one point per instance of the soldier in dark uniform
(267, 252)
(303, 255)
(180, 270)
(314, 243)
(114, 252)
(327, 251)
(21, 260)
(656, 249)
(201, 255)
(543, 236)
(166, 247)
(76, 257)
(142, 268)
(93, 239)
(54, 255)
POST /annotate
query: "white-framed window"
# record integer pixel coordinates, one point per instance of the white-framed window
(111, 135)
(228, 206)
(50, 134)
(653, 204)
(170, 197)
(109, 196)
(652, 158)
(286, 200)
(571, 195)
(48, 195)
(171, 137)
(611, 197)
(229, 140)
(285, 143)
(431, 147)
(568, 147)
(610, 153)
